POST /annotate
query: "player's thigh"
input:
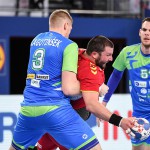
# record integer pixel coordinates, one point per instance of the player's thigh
(70, 130)
(25, 133)
(97, 147)
(11, 148)
(141, 147)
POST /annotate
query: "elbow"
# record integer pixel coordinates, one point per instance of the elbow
(90, 108)
(70, 92)
(67, 92)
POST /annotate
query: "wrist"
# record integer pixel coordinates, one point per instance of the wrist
(115, 120)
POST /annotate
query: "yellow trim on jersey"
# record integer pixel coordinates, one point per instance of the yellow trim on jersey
(88, 91)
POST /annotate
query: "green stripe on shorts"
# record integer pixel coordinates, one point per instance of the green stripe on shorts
(91, 139)
(34, 111)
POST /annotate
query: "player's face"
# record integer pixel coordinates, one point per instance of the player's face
(145, 34)
(104, 57)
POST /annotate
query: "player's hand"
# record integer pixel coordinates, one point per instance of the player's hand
(127, 123)
(103, 90)
(140, 130)
(134, 128)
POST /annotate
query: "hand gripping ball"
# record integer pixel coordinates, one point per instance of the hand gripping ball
(140, 130)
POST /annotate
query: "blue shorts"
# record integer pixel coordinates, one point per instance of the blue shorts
(63, 123)
(146, 116)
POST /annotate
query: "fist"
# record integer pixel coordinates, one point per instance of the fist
(103, 89)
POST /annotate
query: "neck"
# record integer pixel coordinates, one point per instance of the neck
(58, 30)
(89, 57)
(145, 49)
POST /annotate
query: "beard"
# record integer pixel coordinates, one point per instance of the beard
(100, 64)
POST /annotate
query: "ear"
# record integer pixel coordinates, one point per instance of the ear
(94, 54)
(65, 25)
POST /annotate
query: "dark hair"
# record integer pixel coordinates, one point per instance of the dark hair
(98, 43)
(146, 19)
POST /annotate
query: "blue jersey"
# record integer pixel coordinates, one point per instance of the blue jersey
(45, 108)
(138, 65)
(50, 54)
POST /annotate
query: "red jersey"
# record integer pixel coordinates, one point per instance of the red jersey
(91, 77)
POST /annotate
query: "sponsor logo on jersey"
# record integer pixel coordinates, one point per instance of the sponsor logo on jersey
(140, 83)
(141, 99)
(84, 136)
(143, 91)
(30, 76)
(38, 76)
(93, 68)
(35, 83)
(141, 96)
(42, 77)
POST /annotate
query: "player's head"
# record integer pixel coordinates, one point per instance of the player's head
(100, 49)
(144, 32)
(61, 21)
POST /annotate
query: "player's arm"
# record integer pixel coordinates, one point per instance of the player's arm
(119, 67)
(112, 83)
(100, 111)
(93, 105)
(70, 84)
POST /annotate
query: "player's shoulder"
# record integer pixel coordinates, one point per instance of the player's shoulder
(81, 51)
(42, 34)
(132, 47)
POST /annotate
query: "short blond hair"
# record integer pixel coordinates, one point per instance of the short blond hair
(58, 15)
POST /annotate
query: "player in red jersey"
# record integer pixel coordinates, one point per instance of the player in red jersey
(91, 63)
(47, 142)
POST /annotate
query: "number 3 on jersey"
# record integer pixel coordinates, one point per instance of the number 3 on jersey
(38, 59)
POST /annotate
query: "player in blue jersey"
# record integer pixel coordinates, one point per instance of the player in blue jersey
(51, 80)
(51, 74)
(136, 58)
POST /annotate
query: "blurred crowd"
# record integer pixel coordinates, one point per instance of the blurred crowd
(132, 6)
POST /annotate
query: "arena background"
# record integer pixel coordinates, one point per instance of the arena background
(18, 26)
(16, 34)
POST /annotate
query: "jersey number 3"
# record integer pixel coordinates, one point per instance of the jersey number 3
(38, 59)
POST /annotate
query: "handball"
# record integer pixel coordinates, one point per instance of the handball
(140, 130)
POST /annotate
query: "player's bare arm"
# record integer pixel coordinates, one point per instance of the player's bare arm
(70, 84)
(92, 105)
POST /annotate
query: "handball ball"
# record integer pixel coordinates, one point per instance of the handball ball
(141, 129)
